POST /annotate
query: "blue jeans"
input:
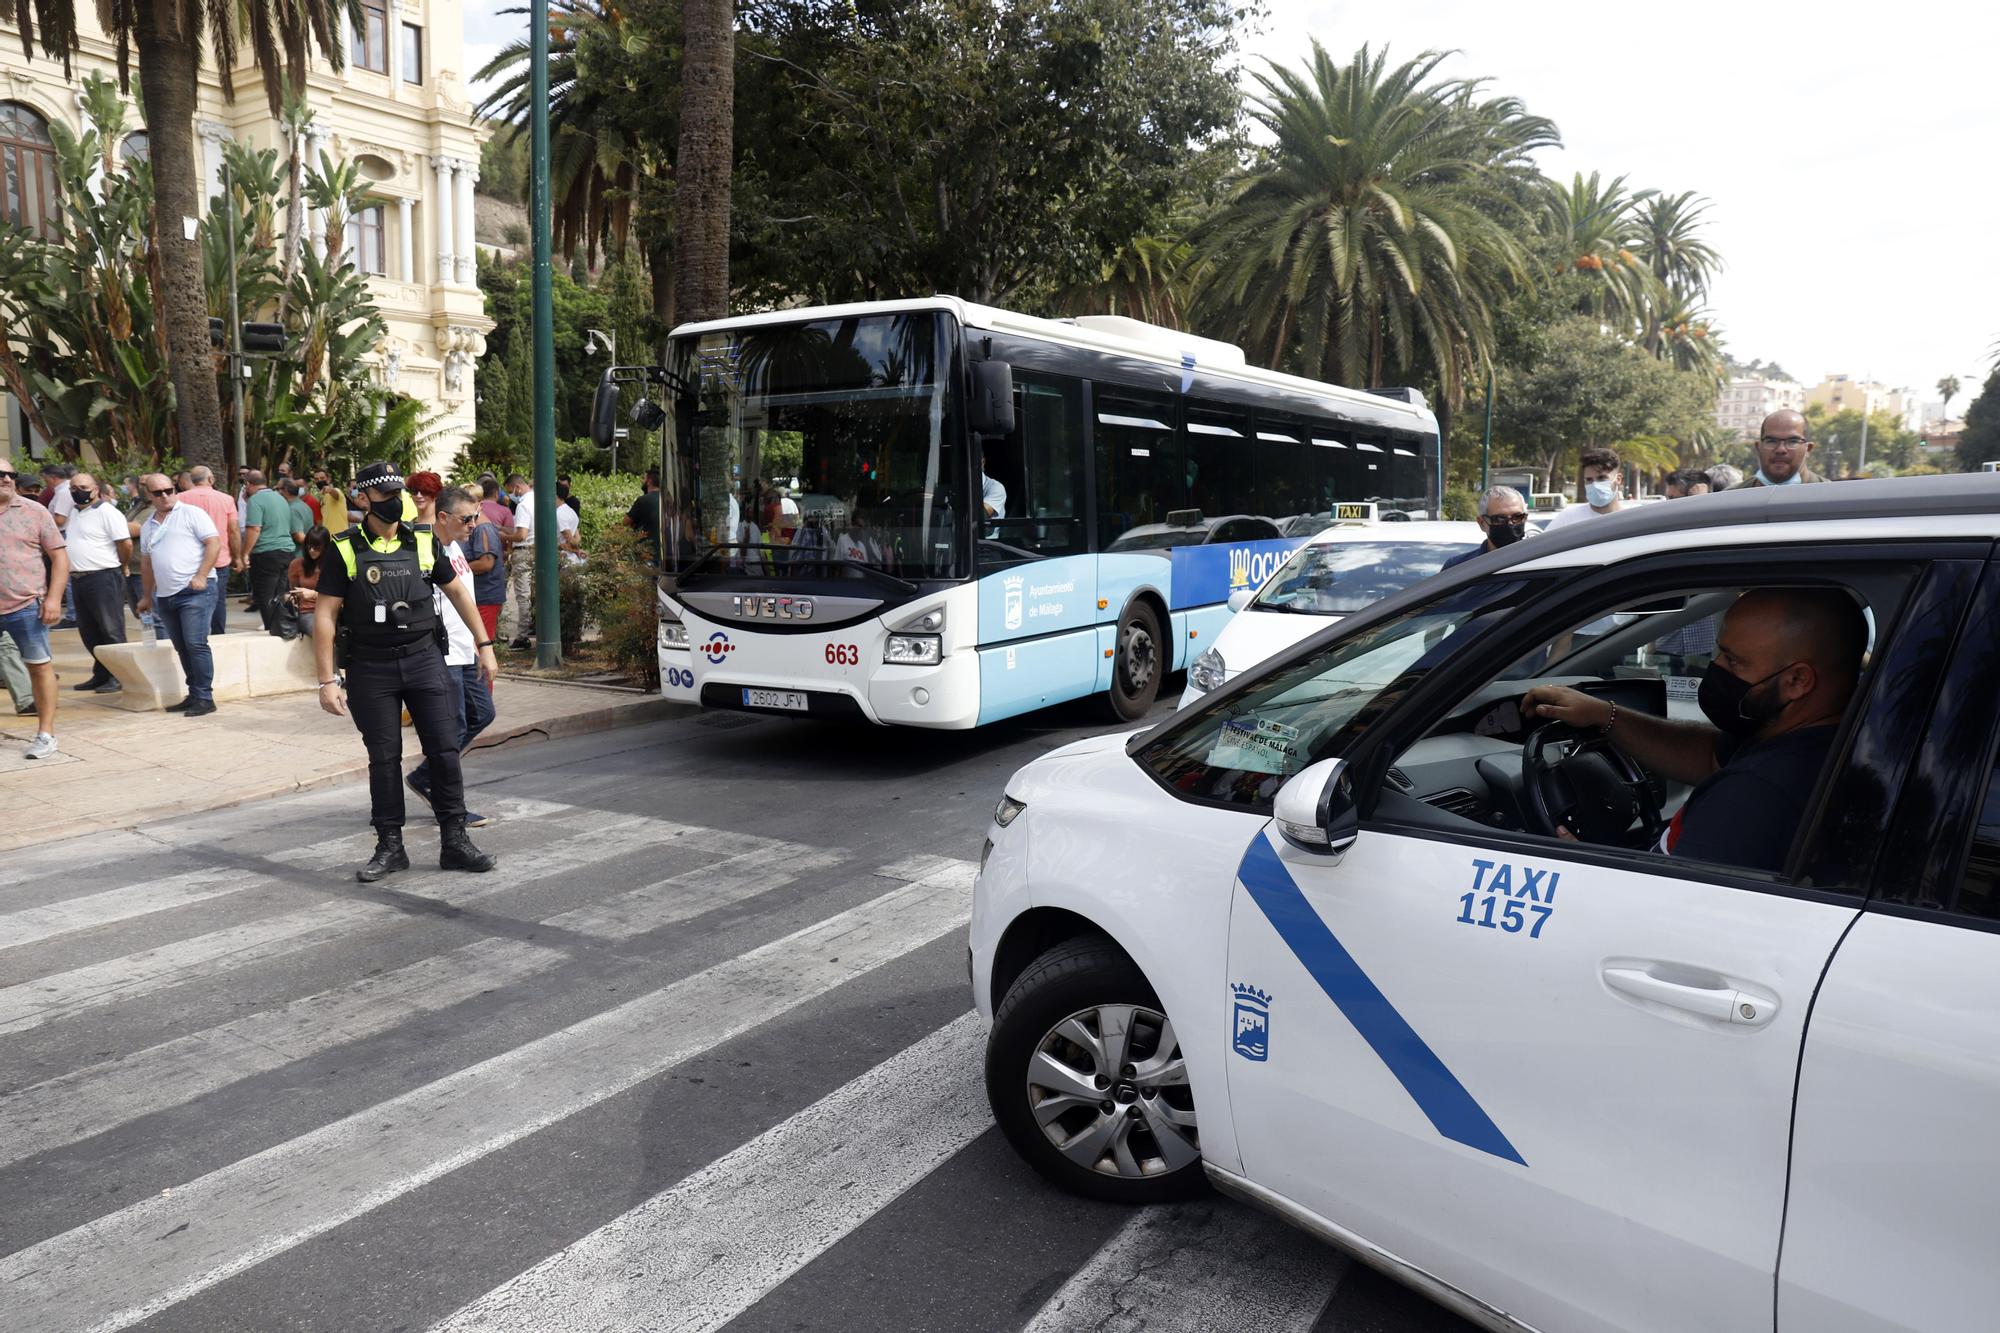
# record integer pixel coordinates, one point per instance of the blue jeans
(475, 707)
(218, 611)
(185, 615)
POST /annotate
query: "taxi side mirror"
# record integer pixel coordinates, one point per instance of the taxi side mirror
(1241, 598)
(1315, 811)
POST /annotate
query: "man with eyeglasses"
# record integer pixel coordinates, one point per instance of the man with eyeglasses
(31, 595)
(1783, 446)
(182, 546)
(1503, 518)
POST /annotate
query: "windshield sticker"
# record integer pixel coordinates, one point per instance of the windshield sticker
(1256, 746)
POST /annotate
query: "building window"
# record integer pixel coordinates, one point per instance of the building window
(413, 53)
(28, 191)
(366, 241)
(371, 39)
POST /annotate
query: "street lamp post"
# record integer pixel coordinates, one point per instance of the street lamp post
(548, 595)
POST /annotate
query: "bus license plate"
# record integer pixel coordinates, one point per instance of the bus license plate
(792, 699)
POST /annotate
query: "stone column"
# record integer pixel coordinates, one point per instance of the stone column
(462, 214)
(442, 166)
(212, 136)
(394, 36)
(315, 145)
(406, 239)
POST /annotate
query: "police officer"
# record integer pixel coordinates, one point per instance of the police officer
(375, 585)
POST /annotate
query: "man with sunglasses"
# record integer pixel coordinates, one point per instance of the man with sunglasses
(182, 547)
(1503, 518)
(1783, 445)
(31, 595)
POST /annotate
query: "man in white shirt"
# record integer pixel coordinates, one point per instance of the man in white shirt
(100, 546)
(457, 513)
(181, 544)
(517, 612)
(992, 495)
(1603, 480)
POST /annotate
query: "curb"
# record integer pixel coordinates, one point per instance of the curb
(636, 713)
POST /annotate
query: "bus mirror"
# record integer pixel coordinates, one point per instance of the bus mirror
(992, 413)
(604, 411)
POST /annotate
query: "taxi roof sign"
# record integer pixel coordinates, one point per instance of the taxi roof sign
(1354, 512)
(1546, 501)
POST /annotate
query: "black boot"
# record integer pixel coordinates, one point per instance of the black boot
(389, 856)
(455, 849)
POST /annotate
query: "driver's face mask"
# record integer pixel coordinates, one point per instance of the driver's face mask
(1725, 700)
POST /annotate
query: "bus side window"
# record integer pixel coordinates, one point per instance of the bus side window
(1140, 477)
(1041, 466)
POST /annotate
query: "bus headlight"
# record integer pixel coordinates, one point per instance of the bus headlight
(913, 650)
(673, 634)
(1207, 672)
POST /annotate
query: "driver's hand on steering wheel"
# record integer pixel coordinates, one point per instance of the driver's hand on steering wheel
(1559, 703)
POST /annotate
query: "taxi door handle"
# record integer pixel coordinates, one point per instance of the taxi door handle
(1720, 1004)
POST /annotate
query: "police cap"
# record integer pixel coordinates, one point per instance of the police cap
(380, 477)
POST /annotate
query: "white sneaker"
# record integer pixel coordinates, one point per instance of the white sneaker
(42, 746)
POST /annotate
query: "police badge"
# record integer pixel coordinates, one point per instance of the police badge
(374, 573)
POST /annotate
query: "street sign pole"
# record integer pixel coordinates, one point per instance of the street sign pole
(548, 596)
(235, 314)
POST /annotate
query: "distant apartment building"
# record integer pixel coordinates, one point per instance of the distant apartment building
(400, 112)
(1743, 404)
(1844, 393)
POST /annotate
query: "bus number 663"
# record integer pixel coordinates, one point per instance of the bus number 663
(843, 654)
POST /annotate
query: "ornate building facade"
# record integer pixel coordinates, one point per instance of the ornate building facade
(400, 111)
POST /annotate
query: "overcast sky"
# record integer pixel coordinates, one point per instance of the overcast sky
(1843, 153)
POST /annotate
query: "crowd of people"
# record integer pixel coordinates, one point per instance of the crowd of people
(79, 552)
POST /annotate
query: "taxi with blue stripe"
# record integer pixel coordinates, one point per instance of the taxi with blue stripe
(1604, 934)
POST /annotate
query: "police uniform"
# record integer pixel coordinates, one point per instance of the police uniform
(390, 621)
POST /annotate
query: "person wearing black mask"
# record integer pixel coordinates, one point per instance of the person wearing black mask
(1503, 517)
(376, 584)
(1785, 666)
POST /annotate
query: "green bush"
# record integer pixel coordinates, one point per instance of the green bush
(1461, 504)
(601, 504)
(619, 591)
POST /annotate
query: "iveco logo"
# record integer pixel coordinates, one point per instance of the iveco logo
(773, 608)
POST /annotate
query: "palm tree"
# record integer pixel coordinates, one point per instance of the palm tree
(1592, 222)
(1374, 232)
(1947, 388)
(702, 166)
(1666, 240)
(171, 38)
(1147, 279)
(1681, 332)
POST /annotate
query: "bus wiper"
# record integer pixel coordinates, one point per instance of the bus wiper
(880, 575)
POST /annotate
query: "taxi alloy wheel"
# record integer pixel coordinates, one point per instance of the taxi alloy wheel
(1087, 1078)
(1138, 668)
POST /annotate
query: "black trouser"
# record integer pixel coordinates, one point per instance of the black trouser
(378, 689)
(269, 577)
(100, 613)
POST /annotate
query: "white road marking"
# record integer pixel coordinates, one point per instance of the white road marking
(597, 837)
(1193, 1268)
(693, 1257)
(103, 1096)
(131, 1264)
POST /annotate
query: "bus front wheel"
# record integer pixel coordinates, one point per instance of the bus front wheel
(1139, 663)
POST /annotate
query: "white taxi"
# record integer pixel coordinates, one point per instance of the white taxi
(1345, 569)
(1367, 941)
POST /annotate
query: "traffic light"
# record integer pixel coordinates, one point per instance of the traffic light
(263, 337)
(214, 331)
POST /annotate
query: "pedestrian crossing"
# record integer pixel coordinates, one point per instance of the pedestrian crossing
(589, 944)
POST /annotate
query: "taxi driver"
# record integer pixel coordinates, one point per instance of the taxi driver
(1785, 665)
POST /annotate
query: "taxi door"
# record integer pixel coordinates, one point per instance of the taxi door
(1559, 1084)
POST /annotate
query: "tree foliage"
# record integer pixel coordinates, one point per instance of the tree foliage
(1979, 442)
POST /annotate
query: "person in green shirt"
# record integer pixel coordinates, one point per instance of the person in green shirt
(267, 536)
(301, 512)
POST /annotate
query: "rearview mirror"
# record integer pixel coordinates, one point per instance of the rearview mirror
(992, 411)
(604, 411)
(1241, 598)
(1315, 811)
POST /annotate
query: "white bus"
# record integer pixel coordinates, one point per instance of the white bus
(983, 512)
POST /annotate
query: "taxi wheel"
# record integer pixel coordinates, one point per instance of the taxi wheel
(1085, 1076)
(1139, 665)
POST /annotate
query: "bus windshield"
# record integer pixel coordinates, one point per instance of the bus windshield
(827, 449)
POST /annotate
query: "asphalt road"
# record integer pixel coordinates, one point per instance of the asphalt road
(698, 1055)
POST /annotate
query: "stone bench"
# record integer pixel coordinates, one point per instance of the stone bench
(246, 666)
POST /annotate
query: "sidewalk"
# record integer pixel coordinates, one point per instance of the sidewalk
(118, 768)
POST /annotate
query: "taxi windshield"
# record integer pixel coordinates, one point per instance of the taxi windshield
(1340, 578)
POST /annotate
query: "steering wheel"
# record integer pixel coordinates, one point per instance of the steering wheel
(1596, 790)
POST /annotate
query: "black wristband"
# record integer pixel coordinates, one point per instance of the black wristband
(490, 643)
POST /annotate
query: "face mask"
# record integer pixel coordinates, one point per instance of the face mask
(1599, 493)
(1725, 700)
(389, 510)
(82, 497)
(1503, 534)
